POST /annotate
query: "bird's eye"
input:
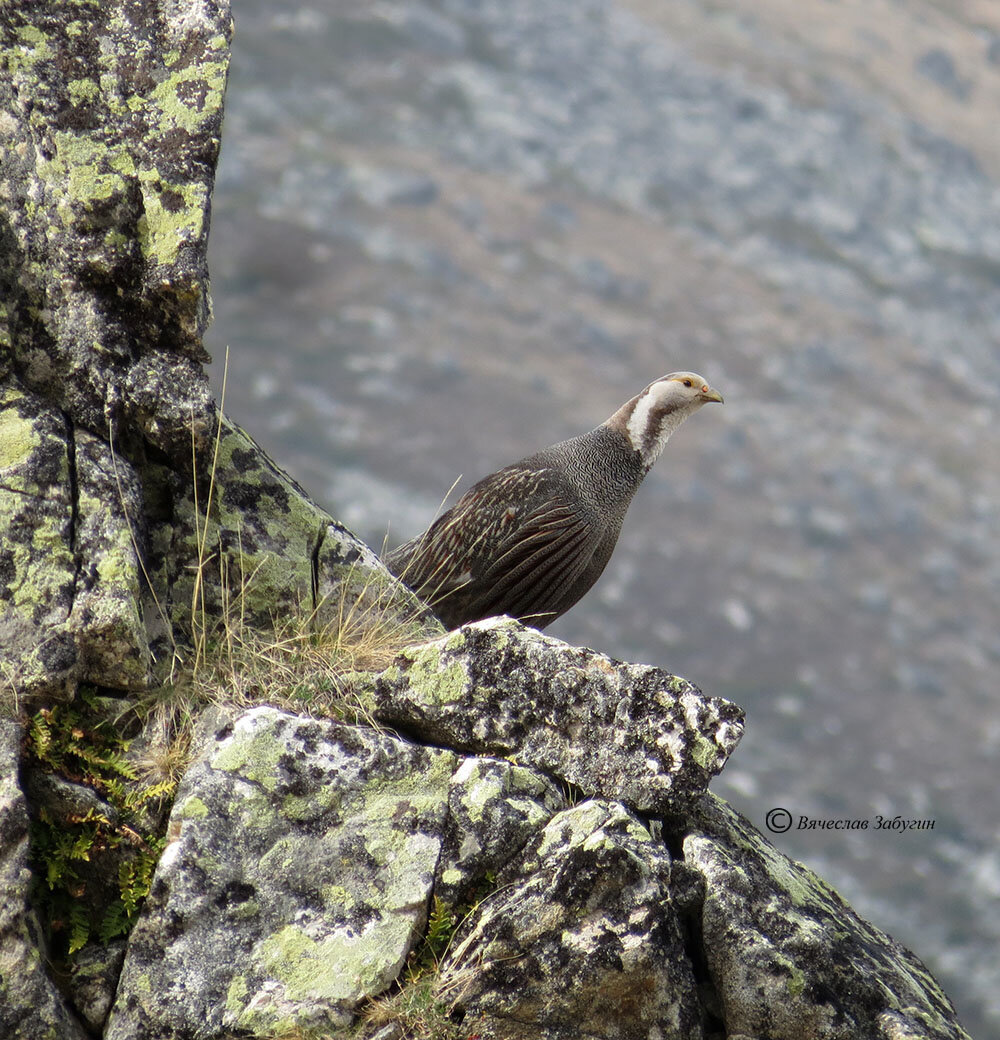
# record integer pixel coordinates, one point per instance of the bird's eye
(687, 382)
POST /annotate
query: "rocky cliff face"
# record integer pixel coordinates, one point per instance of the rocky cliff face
(495, 835)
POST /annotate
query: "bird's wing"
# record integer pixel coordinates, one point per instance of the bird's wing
(539, 562)
(512, 544)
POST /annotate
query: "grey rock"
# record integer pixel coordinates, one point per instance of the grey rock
(581, 939)
(92, 981)
(61, 798)
(37, 566)
(30, 1005)
(393, 1031)
(494, 808)
(790, 959)
(299, 870)
(114, 141)
(70, 591)
(632, 733)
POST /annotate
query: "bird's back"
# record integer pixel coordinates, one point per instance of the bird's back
(528, 540)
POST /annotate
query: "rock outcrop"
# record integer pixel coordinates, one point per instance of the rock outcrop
(531, 842)
(629, 732)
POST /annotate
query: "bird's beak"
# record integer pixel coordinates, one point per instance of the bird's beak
(711, 395)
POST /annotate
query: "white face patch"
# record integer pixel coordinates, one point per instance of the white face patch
(638, 421)
(655, 417)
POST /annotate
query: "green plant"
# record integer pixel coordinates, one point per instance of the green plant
(94, 856)
(426, 998)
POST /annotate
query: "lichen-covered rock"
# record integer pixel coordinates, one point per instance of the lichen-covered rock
(298, 875)
(790, 960)
(581, 939)
(629, 732)
(112, 642)
(92, 980)
(110, 116)
(494, 807)
(266, 547)
(69, 572)
(38, 569)
(30, 1006)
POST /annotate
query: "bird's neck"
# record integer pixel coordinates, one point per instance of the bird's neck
(647, 426)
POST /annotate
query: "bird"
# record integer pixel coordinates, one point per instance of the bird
(532, 538)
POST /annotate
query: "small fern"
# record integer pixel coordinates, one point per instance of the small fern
(80, 743)
(79, 926)
(440, 928)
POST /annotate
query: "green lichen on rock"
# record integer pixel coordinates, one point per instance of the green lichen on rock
(496, 687)
(193, 808)
(824, 972)
(38, 567)
(435, 680)
(18, 439)
(327, 860)
(109, 164)
(254, 754)
(173, 216)
(251, 543)
(585, 913)
(107, 611)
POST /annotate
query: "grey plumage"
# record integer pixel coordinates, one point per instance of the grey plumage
(532, 538)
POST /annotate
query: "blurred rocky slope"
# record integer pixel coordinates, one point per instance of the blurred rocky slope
(477, 227)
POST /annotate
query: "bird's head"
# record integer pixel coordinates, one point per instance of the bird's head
(648, 420)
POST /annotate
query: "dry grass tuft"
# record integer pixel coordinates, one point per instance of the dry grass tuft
(311, 660)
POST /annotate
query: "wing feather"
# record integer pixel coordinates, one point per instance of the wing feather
(513, 544)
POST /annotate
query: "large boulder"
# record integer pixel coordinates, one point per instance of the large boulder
(581, 939)
(790, 959)
(629, 732)
(300, 867)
